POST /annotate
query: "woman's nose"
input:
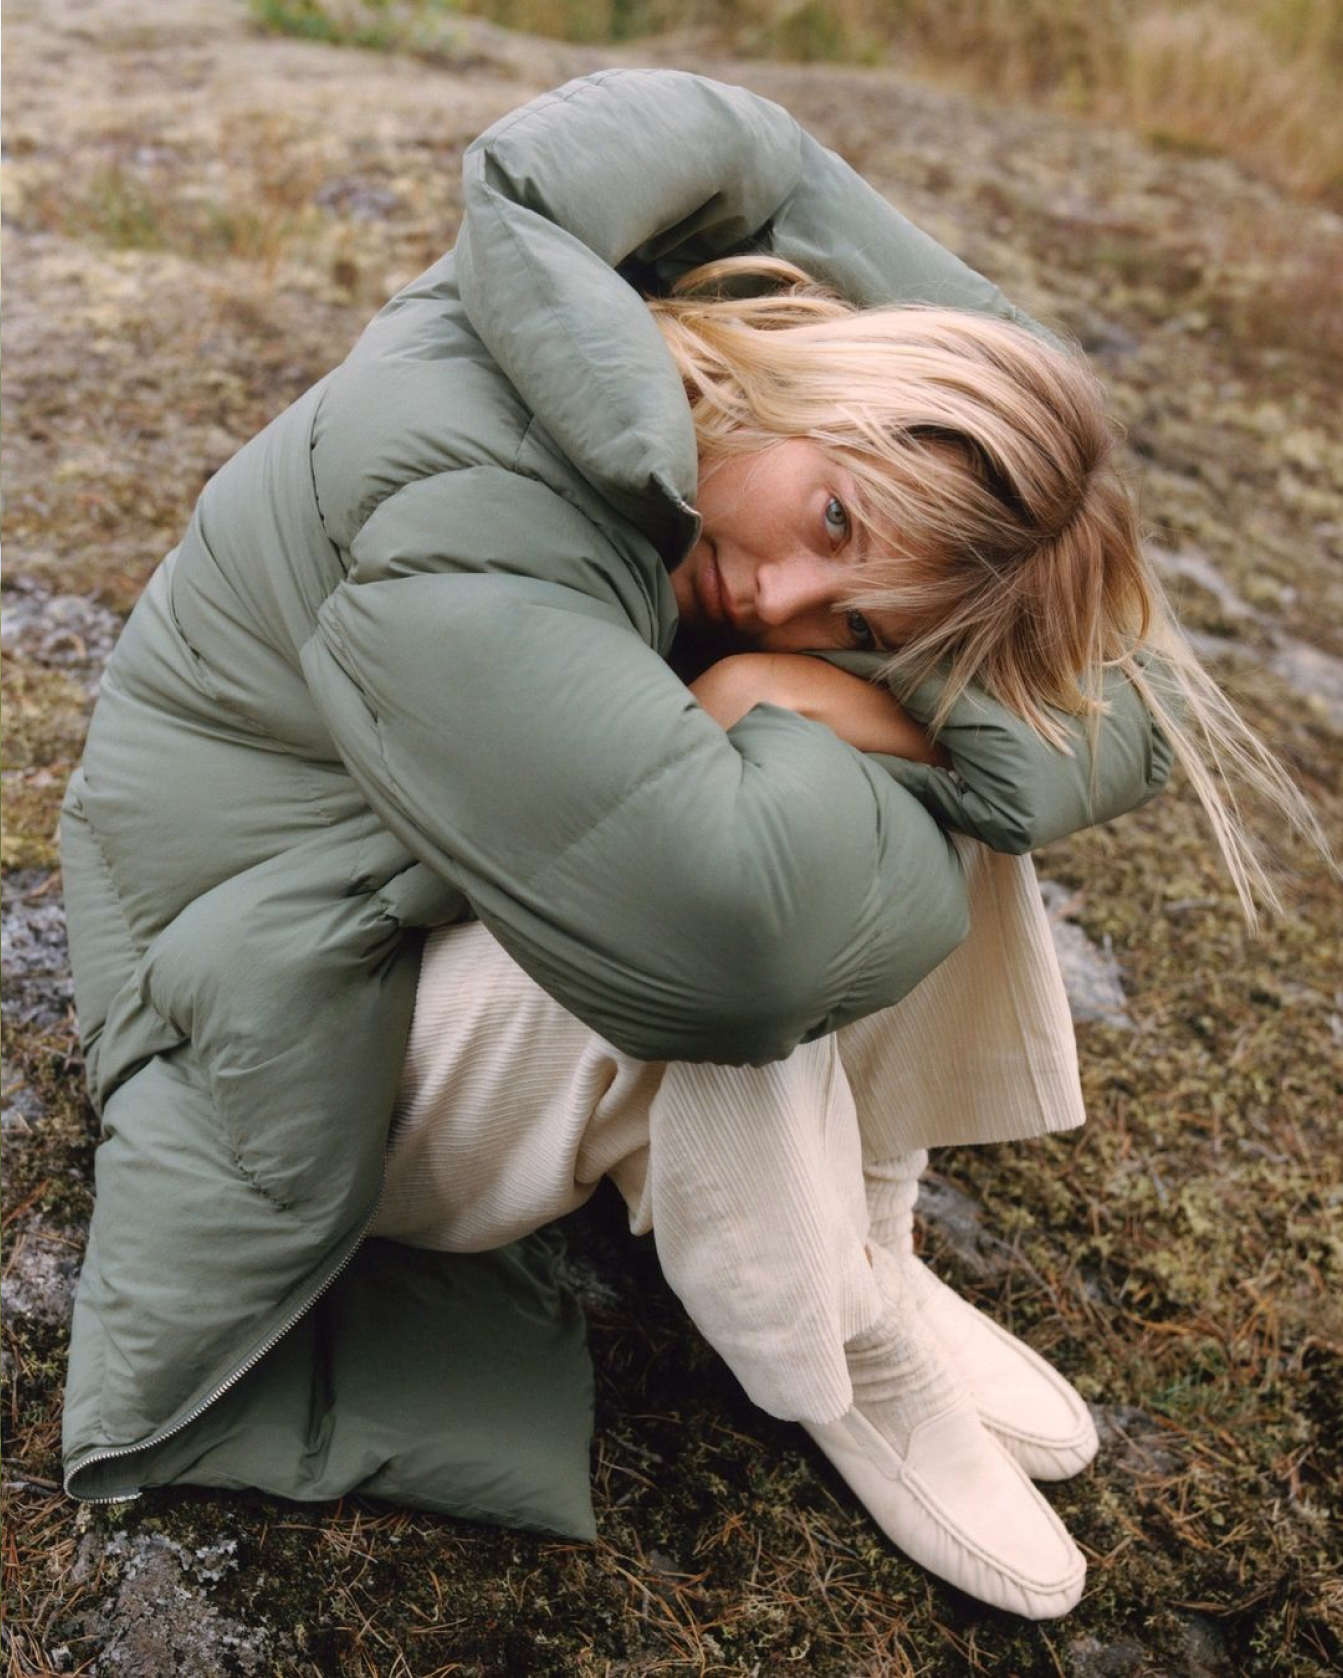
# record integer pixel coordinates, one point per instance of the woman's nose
(788, 588)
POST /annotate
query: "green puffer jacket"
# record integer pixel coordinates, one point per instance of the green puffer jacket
(408, 665)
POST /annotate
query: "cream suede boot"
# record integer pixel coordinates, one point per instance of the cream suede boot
(934, 1479)
(1035, 1414)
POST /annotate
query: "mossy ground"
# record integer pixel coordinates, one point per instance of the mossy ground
(183, 257)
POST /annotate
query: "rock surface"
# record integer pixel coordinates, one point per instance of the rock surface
(37, 988)
(160, 1622)
(1090, 971)
(1310, 671)
(61, 631)
(41, 1269)
(957, 1221)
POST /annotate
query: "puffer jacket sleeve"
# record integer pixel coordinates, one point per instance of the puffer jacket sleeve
(651, 172)
(689, 894)
(656, 171)
(660, 170)
(1010, 788)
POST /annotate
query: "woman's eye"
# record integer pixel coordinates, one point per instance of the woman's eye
(836, 519)
(861, 630)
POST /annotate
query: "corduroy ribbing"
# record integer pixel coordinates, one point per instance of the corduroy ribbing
(892, 1192)
(983, 1049)
(761, 1221)
(511, 1110)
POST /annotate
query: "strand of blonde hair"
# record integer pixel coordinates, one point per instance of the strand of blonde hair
(1004, 533)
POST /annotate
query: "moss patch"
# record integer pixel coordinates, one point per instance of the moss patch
(45, 718)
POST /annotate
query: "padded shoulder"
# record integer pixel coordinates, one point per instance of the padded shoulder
(419, 395)
(482, 520)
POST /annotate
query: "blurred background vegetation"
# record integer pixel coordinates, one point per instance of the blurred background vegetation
(1257, 80)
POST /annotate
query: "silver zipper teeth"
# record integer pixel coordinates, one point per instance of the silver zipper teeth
(218, 1393)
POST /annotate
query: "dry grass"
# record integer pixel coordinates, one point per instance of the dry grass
(255, 200)
(1205, 78)
(1256, 80)
(45, 717)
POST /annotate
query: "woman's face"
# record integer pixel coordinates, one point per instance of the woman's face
(777, 555)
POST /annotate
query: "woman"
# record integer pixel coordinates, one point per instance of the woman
(408, 667)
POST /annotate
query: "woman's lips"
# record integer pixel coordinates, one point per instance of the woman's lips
(711, 597)
(716, 606)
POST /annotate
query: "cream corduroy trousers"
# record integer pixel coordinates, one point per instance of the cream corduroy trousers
(750, 1178)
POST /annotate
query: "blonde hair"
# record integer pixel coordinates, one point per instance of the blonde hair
(1000, 530)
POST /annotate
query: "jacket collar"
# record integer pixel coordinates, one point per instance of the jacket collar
(580, 346)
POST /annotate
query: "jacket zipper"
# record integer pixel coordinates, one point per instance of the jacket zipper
(232, 1380)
